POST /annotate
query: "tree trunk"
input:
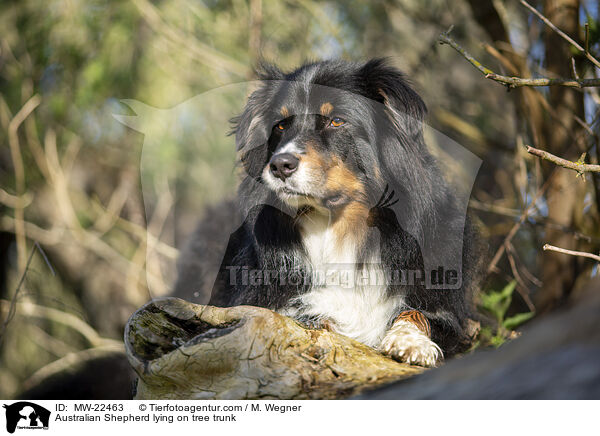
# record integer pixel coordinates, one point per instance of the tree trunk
(564, 190)
(182, 350)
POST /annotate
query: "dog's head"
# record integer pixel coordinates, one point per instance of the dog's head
(339, 138)
(333, 134)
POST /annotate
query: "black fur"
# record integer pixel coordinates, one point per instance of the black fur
(383, 134)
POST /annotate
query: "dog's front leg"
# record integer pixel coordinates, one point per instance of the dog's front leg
(409, 340)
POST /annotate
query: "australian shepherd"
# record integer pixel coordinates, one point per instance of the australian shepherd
(348, 222)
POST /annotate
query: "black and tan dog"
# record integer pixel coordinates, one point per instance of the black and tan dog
(342, 201)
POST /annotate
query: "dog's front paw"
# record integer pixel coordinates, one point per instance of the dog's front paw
(405, 342)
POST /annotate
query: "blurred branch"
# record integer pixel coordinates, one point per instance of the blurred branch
(254, 42)
(140, 233)
(494, 208)
(58, 316)
(492, 267)
(514, 82)
(48, 342)
(84, 239)
(562, 34)
(206, 54)
(578, 166)
(89, 239)
(13, 201)
(43, 236)
(35, 146)
(539, 220)
(548, 247)
(59, 182)
(19, 169)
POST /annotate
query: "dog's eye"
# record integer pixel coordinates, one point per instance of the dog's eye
(281, 126)
(336, 122)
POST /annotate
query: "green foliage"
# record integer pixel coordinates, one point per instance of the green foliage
(496, 303)
(515, 321)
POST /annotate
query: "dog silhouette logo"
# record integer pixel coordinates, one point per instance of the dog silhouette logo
(26, 415)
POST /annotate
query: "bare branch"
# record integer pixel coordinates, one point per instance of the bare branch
(548, 247)
(515, 82)
(562, 34)
(578, 166)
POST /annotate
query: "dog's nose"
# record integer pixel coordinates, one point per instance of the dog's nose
(283, 165)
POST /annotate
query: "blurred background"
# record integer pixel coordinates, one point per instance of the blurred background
(92, 213)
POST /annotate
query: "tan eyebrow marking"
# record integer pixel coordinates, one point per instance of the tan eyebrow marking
(284, 112)
(326, 109)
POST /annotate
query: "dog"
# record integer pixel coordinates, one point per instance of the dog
(339, 193)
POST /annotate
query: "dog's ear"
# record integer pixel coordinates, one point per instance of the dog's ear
(250, 128)
(404, 158)
(251, 135)
(388, 86)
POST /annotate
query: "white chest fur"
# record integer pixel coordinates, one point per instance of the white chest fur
(354, 301)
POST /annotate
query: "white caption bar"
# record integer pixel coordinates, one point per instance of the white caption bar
(299, 417)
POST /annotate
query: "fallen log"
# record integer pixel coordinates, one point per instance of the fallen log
(182, 350)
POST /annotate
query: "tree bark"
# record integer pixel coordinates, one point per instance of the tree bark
(564, 190)
(182, 350)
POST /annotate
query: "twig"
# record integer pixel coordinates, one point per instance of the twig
(574, 69)
(524, 292)
(533, 279)
(515, 228)
(587, 37)
(562, 34)
(571, 252)
(12, 305)
(580, 167)
(515, 82)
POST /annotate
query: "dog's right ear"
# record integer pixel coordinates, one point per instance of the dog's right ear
(251, 136)
(250, 128)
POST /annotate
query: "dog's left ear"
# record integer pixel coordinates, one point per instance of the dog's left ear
(387, 85)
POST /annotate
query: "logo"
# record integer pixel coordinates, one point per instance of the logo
(26, 415)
